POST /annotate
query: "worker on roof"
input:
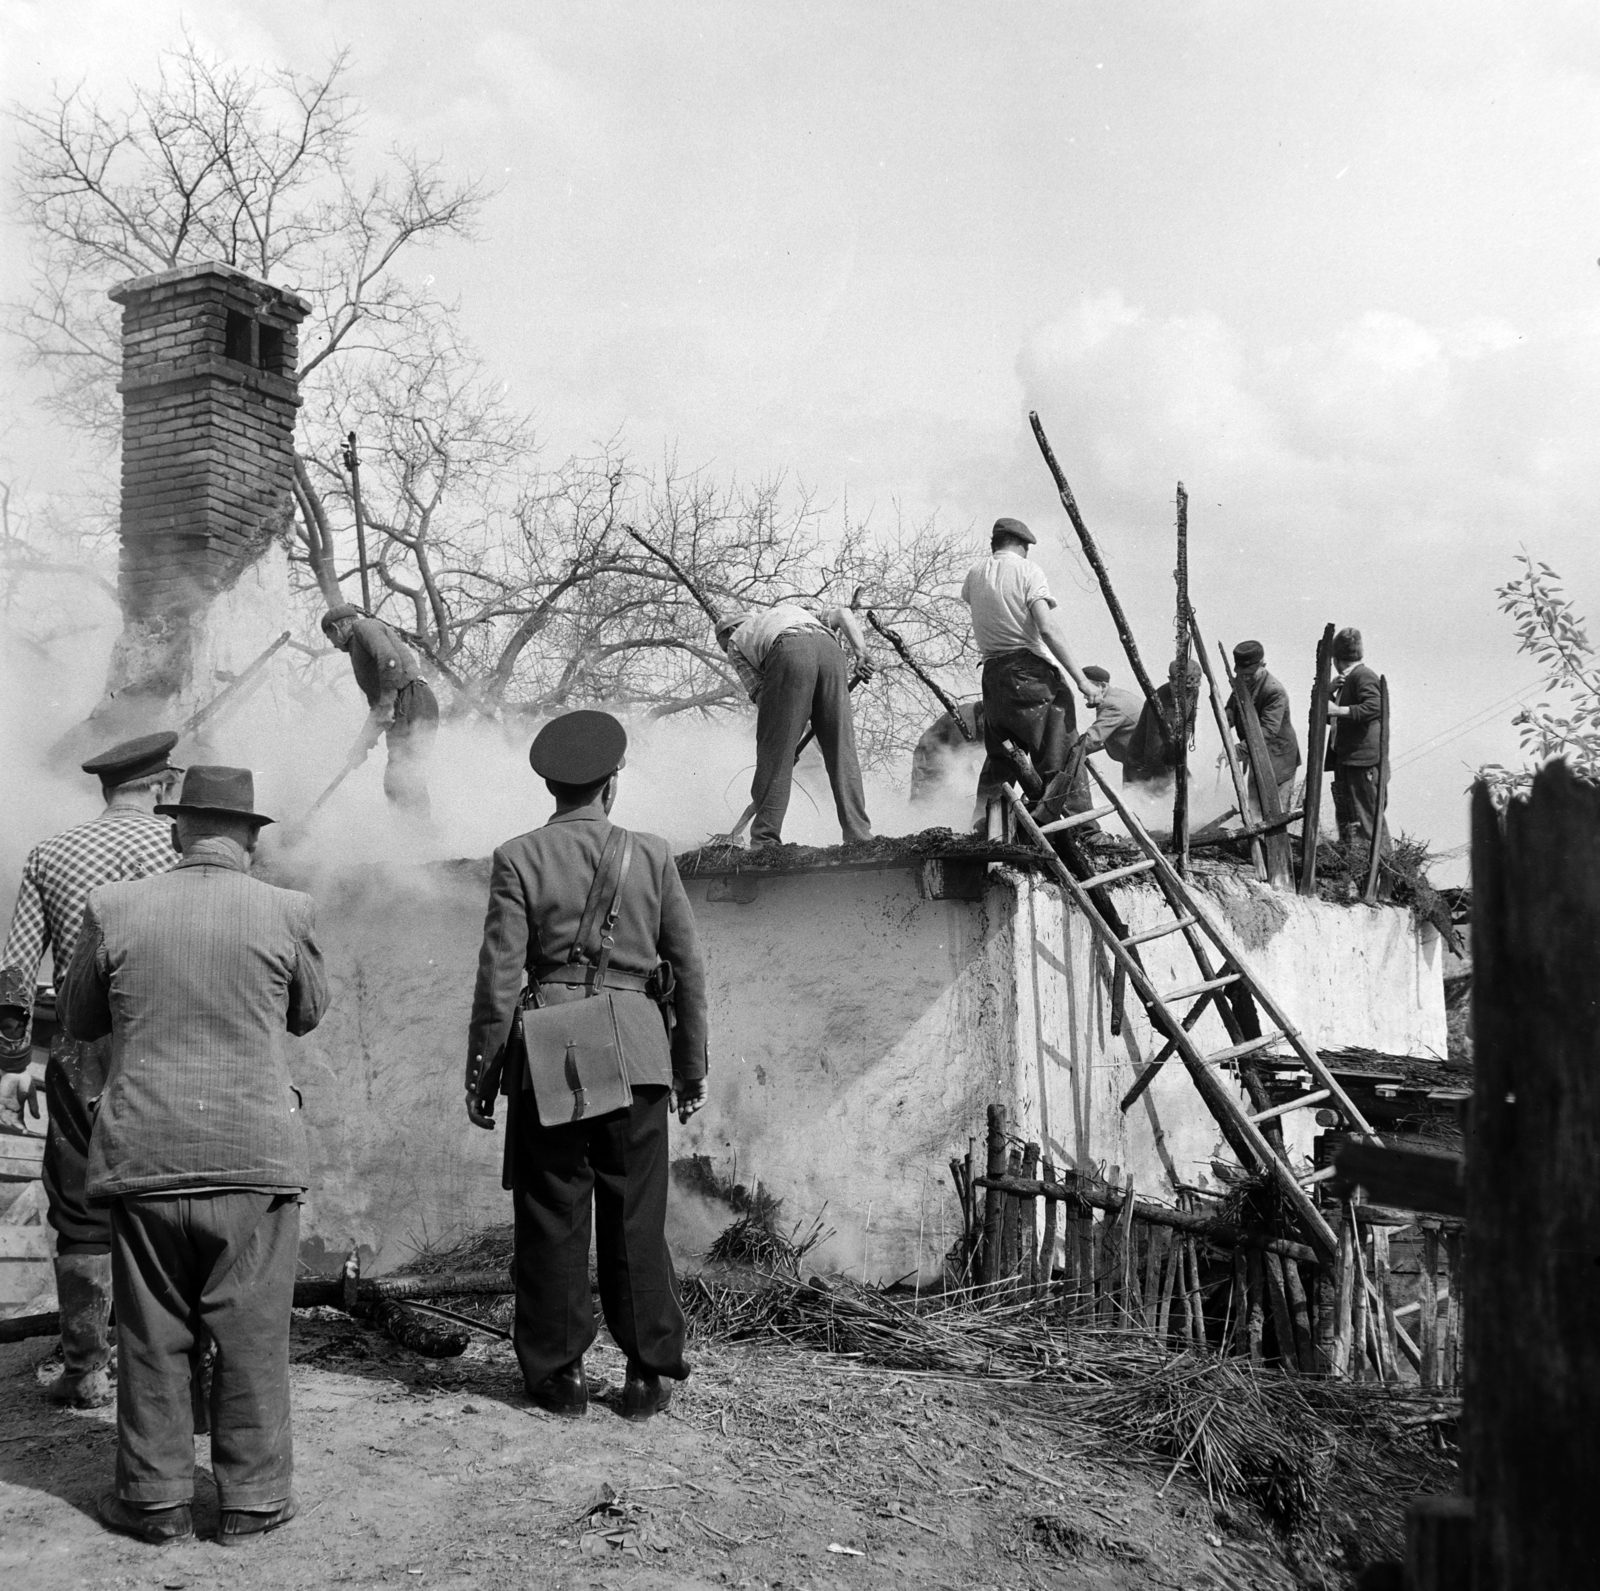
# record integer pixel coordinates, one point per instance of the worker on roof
(1356, 713)
(1025, 655)
(1151, 755)
(589, 923)
(950, 746)
(1271, 703)
(791, 663)
(402, 704)
(1115, 718)
(127, 840)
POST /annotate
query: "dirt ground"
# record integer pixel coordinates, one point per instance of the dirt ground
(775, 1468)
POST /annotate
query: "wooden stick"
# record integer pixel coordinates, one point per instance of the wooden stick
(1279, 856)
(1047, 1248)
(1087, 1255)
(1343, 1329)
(1385, 1310)
(1428, 1303)
(1180, 695)
(1170, 1256)
(1370, 894)
(1360, 1326)
(1317, 739)
(1132, 1306)
(989, 1253)
(1300, 1317)
(1028, 1224)
(1153, 1239)
(1197, 1307)
(1257, 855)
(1282, 1326)
(1097, 563)
(1451, 1355)
(1010, 1245)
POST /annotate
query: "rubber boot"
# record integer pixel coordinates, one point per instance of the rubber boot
(83, 1286)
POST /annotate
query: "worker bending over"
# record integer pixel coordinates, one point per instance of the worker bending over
(793, 668)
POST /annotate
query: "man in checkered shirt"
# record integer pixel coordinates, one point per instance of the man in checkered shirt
(126, 841)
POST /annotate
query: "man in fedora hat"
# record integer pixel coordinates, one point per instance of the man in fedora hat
(402, 705)
(1277, 727)
(1027, 667)
(791, 663)
(125, 841)
(547, 890)
(200, 1153)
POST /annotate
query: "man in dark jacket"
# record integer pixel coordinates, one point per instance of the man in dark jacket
(198, 1148)
(1151, 759)
(1271, 702)
(1357, 713)
(402, 705)
(1115, 717)
(538, 889)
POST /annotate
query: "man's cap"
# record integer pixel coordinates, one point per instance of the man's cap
(579, 748)
(340, 610)
(728, 623)
(134, 759)
(224, 792)
(1248, 653)
(1101, 676)
(1192, 672)
(1014, 527)
(1347, 644)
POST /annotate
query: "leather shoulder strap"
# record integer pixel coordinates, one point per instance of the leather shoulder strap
(587, 945)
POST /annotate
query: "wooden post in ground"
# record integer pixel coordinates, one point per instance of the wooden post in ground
(1316, 761)
(993, 1201)
(1282, 1325)
(1047, 1246)
(1182, 710)
(1028, 1225)
(1532, 1283)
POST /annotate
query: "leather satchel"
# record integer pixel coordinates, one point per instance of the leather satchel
(574, 1058)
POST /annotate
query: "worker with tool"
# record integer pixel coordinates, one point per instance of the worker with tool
(937, 755)
(1271, 702)
(1357, 714)
(791, 663)
(1152, 756)
(126, 841)
(199, 1151)
(589, 1011)
(1116, 716)
(1025, 653)
(403, 706)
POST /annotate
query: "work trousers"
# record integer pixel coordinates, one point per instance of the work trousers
(74, 1079)
(1355, 804)
(804, 679)
(183, 1266)
(612, 1170)
(1026, 700)
(410, 739)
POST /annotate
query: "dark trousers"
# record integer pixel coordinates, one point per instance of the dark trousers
(410, 740)
(615, 1167)
(1026, 700)
(1355, 804)
(224, 1263)
(805, 680)
(74, 1079)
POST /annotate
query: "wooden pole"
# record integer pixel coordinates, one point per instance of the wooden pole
(1097, 563)
(1428, 1297)
(989, 1253)
(1129, 1256)
(1047, 1248)
(1234, 771)
(352, 462)
(1171, 1255)
(1182, 707)
(1316, 763)
(1344, 1301)
(1282, 1324)
(1532, 1282)
(1299, 1317)
(1370, 895)
(1028, 1225)
(1280, 858)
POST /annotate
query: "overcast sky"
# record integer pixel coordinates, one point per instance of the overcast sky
(1334, 267)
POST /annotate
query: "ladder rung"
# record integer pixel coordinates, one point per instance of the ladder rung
(1249, 1047)
(1100, 880)
(1076, 820)
(1159, 933)
(1294, 1104)
(1190, 989)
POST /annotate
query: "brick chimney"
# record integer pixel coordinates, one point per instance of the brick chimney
(209, 399)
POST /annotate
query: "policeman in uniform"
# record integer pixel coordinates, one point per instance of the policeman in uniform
(402, 705)
(126, 841)
(611, 1167)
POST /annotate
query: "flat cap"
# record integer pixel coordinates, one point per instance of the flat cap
(579, 748)
(134, 759)
(211, 788)
(1347, 644)
(1014, 527)
(1101, 676)
(1248, 653)
(340, 610)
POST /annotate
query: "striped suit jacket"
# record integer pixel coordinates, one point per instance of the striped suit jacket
(197, 975)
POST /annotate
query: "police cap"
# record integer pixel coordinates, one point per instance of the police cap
(1015, 528)
(134, 759)
(579, 748)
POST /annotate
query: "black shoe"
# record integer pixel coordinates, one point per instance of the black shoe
(155, 1525)
(566, 1393)
(644, 1393)
(239, 1525)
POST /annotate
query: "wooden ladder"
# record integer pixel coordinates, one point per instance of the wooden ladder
(1221, 983)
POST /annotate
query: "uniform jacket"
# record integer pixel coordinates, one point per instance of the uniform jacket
(197, 975)
(538, 884)
(1356, 738)
(1272, 708)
